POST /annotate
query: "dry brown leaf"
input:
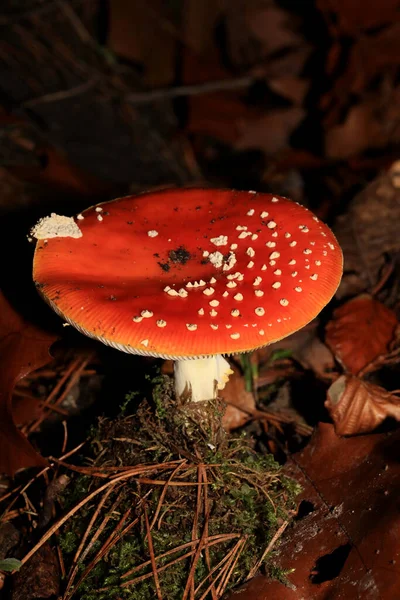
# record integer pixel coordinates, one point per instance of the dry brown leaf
(365, 127)
(270, 132)
(144, 33)
(357, 406)
(353, 16)
(240, 403)
(360, 331)
(234, 418)
(369, 230)
(306, 348)
(39, 578)
(23, 348)
(345, 542)
(199, 21)
(357, 64)
(264, 30)
(292, 88)
(254, 32)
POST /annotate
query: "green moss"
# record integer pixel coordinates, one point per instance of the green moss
(246, 495)
(127, 403)
(68, 542)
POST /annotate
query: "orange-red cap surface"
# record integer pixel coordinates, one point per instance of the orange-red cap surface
(193, 272)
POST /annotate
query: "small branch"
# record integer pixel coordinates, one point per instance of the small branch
(62, 94)
(189, 90)
(152, 555)
(267, 550)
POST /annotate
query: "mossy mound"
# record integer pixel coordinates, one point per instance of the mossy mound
(192, 512)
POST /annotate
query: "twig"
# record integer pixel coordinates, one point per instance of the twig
(211, 541)
(74, 566)
(77, 90)
(194, 565)
(152, 557)
(97, 471)
(73, 372)
(65, 440)
(267, 550)
(189, 90)
(388, 270)
(39, 401)
(70, 513)
(229, 569)
(162, 495)
(392, 357)
(148, 481)
(222, 563)
(112, 539)
(207, 512)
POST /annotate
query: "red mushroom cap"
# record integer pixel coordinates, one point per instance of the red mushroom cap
(190, 273)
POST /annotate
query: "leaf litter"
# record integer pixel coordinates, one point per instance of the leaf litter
(344, 542)
(316, 123)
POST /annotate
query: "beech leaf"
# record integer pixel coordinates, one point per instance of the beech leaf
(360, 331)
(357, 406)
(345, 540)
(23, 348)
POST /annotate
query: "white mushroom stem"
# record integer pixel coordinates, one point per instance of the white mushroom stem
(201, 378)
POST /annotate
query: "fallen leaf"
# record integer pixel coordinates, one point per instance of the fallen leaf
(290, 87)
(23, 348)
(357, 406)
(345, 541)
(39, 578)
(368, 232)
(270, 132)
(60, 175)
(352, 16)
(305, 347)
(258, 31)
(360, 331)
(265, 40)
(145, 34)
(234, 418)
(363, 128)
(240, 403)
(362, 68)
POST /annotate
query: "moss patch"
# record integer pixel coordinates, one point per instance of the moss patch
(217, 514)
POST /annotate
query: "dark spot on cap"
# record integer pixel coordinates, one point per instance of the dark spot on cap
(180, 255)
(112, 297)
(129, 222)
(156, 255)
(198, 207)
(165, 266)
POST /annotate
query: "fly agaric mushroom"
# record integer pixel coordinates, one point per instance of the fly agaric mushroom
(188, 275)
